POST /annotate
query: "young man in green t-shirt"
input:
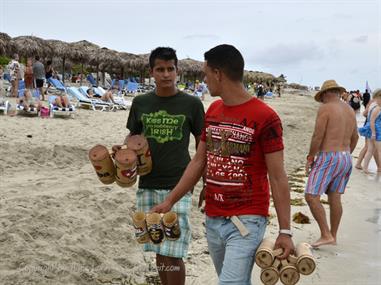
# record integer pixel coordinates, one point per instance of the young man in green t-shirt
(166, 117)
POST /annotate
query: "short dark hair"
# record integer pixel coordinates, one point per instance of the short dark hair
(164, 53)
(37, 57)
(49, 62)
(228, 59)
(88, 90)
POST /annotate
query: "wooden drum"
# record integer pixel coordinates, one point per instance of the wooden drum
(104, 167)
(270, 275)
(139, 144)
(126, 167)
(305, 260)
(289, 275)
(141, 232)
(266, 254)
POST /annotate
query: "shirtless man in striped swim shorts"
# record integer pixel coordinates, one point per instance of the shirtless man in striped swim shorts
(329, 160)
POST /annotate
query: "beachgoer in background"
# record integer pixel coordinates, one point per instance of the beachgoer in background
(61, 101)
(166, 117)
(200, 90)
(28, 101)
(278, 89)
(374, 132)
(260, 92)
(241, 145)
(14, 71)
(1, 81)
(39, 75)
(344, 97)
(107, 97)
(355, 101)
(49, 71)
(365, 98)
(329, 159)
(28, 75)
(371, 105)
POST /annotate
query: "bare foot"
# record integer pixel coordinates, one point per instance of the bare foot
(358, 166)
(323, 241)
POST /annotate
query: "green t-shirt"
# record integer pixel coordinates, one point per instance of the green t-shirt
(166, 122)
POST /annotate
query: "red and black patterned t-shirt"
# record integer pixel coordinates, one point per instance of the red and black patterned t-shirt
(237, 139)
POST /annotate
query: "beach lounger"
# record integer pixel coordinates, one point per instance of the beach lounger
(85, 102)
(60, 111)
(91, 80)
(56, 110)
(33, 110)
(132, 87)
(269, 95)
(4, 106)
(122, 103)
(97, 101)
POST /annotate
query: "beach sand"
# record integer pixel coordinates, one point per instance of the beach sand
(60, 225)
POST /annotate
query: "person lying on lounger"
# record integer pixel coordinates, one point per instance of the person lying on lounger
(61, 101)
(28, 101)
(107, 97)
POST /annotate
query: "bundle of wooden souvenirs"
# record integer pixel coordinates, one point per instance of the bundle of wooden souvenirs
(125, 165)
(154, 227)
(287, 270)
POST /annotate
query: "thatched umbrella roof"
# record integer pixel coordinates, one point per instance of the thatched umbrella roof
(59, 48)
(80, 51)
(190, 66)
(4, 42)
(29, 46)
(132, 62)
(3, 47)
(140, 62)
(106, 59)
(258, 77)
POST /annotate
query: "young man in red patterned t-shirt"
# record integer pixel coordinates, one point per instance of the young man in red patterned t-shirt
(241, 146)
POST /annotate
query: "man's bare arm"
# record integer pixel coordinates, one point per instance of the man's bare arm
(191, 175)
(319, 131)
(354, 137)
(197, 141)
(281, 197)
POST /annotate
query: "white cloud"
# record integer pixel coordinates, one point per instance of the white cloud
(201, 36)
(287, 54)
(361, 39)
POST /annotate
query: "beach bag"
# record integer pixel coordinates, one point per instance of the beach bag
(44, 112)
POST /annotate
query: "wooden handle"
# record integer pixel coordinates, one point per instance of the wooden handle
(276, 263)
(292, 259)
(277, 251)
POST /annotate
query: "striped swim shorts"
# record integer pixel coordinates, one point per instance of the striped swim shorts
(330, 173)
(146, 199)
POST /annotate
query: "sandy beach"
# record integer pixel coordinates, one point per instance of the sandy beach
(60, 225)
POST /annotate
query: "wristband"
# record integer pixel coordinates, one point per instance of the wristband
(286, 232)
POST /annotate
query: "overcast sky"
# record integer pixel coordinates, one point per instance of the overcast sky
(308, 41)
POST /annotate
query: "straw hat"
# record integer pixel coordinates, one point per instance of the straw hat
(377, 93)
(328, 85)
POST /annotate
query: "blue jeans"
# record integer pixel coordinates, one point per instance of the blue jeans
(233, 255)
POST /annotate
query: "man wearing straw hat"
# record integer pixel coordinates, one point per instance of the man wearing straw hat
(329, 159)
(241, 146)
(166, 117)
